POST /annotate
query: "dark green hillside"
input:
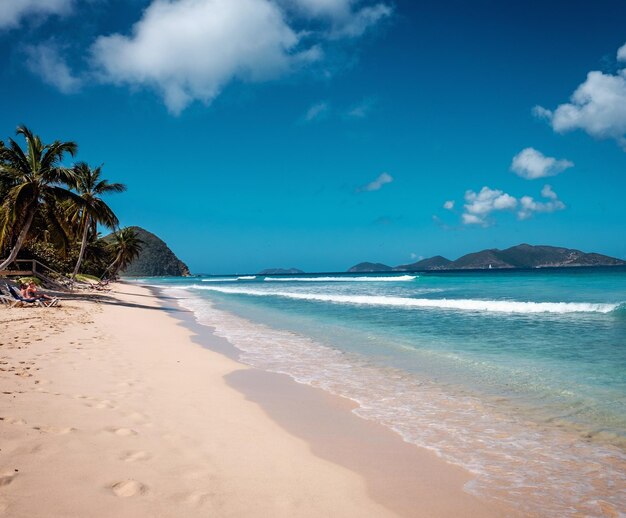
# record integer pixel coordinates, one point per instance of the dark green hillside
(280, 271)
(156, 258)
(432, 263)
(370, 268)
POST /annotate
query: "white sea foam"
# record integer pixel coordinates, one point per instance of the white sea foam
(396, 278)
(475, 305)
(230, 279)
(545, 472)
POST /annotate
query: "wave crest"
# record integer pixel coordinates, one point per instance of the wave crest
(475, 305)
(397, 278)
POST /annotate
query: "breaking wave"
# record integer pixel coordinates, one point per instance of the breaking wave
(475, 305)
(397, 278)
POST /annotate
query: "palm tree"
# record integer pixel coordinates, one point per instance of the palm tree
(127, 247)
(33, 178)
(93, 210)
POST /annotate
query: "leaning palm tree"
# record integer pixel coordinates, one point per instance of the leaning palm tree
(127, 247)
(93, 210)
(34, 177)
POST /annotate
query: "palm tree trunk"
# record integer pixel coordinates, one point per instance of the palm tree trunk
(83, 245)
(114, 263)
(20, 240)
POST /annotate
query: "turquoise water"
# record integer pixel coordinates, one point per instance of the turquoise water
(520, 377)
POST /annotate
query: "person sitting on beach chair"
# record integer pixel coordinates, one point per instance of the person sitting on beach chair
(32, 293)
(19, 295)
(27, 300)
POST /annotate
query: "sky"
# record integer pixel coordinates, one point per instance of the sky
(317, 134)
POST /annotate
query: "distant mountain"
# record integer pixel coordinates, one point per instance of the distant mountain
(156, 258)
(280, 271)
(432, 263)
(483, 259)
(369, 268)
(520, 256)
(529, 256)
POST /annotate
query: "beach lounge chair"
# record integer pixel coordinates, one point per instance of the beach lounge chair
(8, 301)
(19, 299)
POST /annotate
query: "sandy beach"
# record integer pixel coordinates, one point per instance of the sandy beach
(111, 406)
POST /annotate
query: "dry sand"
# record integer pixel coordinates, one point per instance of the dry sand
(111, 408)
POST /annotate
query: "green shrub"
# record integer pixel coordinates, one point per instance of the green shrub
(28, 280)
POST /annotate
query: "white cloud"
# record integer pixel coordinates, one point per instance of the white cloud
(361, 110)
(530, 164)
(13, 12)
(449, 205)
(347, 21)
(528, 205)
(547, 192)
(189, 50)
(597, 106)
(480, 205)
(322, 8)
(472, 219)
(541, 113)
(45, 61)
(382, 179)
(317, 112)
(361, 20)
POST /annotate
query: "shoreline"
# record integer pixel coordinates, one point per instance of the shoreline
(398, 474)
(102, 416)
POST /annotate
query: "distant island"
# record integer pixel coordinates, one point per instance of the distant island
(520, 256)
(155, 258)
(280, 271)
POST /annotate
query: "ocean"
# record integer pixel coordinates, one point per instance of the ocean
(518, 376)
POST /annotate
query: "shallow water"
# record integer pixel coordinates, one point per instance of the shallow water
(520, 377)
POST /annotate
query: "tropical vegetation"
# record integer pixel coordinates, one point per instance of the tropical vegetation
(51, 211)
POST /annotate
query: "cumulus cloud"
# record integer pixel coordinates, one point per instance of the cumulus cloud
(46, 61)
(547, 192)
(382, 179)
(189, 50)
(530, 164)
(478, 206)
(528, 205)
(597, 106)
(449, 205)
(317, 112)
(12, 12)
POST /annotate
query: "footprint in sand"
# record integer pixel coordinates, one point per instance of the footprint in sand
(12, 420)
(102, 404)
(54, 429)
(138, 417)
(134, 456)
(122, 432)
(127, 488)
(197, 498)
(6, 477)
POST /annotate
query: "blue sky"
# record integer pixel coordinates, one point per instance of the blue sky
(321, 133)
